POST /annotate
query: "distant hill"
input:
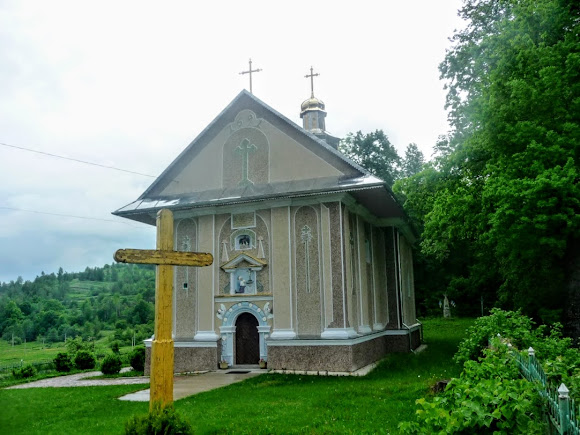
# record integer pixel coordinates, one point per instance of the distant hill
(116, 297)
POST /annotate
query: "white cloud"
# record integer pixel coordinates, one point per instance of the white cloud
(130, 84)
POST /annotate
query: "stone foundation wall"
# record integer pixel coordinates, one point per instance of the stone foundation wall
(347, 358)
(416, 339)
(189, 359)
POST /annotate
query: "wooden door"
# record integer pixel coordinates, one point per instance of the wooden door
(247, 339)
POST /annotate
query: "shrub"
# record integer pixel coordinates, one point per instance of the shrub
(512, 324)
(27, 371)
(84, 360)
(62, 362)
(158, 421)
(137, 359)
(115, 347)
(488, 397)
(111, 364)
(73, 345)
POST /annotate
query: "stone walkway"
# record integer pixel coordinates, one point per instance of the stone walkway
(183, 386)
(80, 380)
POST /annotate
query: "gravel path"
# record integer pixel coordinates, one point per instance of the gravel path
(80, 380)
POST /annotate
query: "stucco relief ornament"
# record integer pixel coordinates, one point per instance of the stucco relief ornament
(245, 119)
(186, 244)
(225, 256)
(269, 311)
(306, 237)
(221, 311)
(261, 248)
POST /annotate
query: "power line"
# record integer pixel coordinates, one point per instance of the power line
(75, 160)
(69, 215)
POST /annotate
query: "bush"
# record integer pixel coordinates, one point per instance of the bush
(111, 364)
(158, 421)
(115, 347)
(84, 360)
(137, 359)
(62, 362)
(27, 371)
(488, 397)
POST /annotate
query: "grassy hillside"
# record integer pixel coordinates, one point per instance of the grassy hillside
(103, 305)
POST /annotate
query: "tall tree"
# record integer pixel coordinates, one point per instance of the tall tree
(413, 161)
(374, 152)
(510, 195)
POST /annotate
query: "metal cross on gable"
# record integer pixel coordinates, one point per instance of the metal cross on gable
(250, 71)
(312, 75)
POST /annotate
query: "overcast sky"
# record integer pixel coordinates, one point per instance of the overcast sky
(130, 83)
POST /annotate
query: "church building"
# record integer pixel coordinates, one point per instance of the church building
(313, 265)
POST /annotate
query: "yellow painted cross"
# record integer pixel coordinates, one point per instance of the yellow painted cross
(165, 258)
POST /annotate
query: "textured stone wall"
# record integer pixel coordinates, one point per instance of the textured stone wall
(392, 278)
(337, 249)
(380, 276)
(307, 271)
(407, 281)
(189, 359)
(347, 358)
(185, 298)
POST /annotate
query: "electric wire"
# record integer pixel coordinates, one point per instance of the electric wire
(68, 215)
(75, 160)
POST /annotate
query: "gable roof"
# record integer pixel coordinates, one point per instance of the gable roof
(363, 186)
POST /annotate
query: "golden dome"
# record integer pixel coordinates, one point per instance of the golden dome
(312, 103)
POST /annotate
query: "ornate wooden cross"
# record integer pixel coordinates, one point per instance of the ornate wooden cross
(312, 75)
(165, 258)
(250, 71)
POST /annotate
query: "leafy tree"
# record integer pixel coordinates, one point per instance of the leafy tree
(413, 161)
(374, 152)
(506, 196)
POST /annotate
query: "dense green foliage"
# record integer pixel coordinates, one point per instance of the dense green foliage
(137, 359)
(499, 207)
(490, 395)
(111, 364)
(374, 152)
(560, 360)
(84, 360)
(54, 307)
(63, 363)
(27, 371)
(265, 404)
(159, 421)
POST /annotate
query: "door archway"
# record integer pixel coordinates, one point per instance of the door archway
(247, 339)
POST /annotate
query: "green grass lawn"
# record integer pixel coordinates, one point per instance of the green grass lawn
(264, 404)
(30, 352)
(35, 351)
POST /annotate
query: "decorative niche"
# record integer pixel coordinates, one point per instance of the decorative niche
(243, 239)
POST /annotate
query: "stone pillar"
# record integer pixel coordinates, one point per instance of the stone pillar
(206, 282)
(282, 285)
(391, 253)
(363, 278)
(325, 232)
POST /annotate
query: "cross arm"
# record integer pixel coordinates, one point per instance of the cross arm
(161, 257)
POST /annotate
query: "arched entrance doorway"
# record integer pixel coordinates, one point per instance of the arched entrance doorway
(247, 339)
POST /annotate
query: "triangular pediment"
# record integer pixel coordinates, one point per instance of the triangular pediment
(249, 152)
(243, 260)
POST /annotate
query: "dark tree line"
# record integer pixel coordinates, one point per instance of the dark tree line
(499, 206)
(53, 307)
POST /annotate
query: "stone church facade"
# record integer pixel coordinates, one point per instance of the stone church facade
(313, 264)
